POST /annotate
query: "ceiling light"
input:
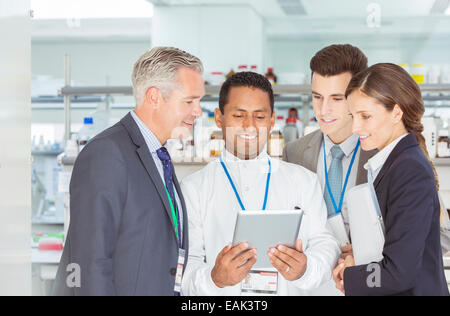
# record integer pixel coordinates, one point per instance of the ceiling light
(292, 7)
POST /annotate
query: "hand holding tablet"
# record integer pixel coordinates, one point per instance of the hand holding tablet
(291, 263)
(265, 230)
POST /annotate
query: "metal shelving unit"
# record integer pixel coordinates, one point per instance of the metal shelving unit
(283, 93)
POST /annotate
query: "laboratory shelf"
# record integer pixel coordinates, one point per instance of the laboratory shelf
(214, 90)
(46, 152)
(442, 162)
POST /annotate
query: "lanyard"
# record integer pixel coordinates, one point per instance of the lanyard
(236, 192)
(336, 209)
(175, 218)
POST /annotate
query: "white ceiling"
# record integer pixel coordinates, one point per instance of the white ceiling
(322, 16)
(323, 8)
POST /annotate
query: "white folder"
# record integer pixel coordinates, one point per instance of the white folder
(366, 224)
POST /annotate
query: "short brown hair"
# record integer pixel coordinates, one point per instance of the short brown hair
(337, 59)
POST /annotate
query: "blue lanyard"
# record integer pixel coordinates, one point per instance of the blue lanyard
(336, 209)
(236, 192)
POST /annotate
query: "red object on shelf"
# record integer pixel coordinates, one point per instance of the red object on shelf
(292, 120)
(47, 247)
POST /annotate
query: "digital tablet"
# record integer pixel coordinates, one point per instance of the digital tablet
(266, 229)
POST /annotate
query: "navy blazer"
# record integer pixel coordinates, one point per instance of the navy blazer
(413, 260)
(121, 230)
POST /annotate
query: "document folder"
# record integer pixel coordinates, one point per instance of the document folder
(366, 224)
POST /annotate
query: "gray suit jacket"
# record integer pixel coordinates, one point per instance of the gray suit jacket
(121, 233)
(306, 150)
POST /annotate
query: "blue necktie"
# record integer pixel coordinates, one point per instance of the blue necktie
(164, 156)
(335, 179)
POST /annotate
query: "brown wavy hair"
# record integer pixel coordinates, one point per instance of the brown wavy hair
(391, 85)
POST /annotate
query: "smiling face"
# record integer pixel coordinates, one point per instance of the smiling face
(373, 123)
(330, 105)
(174, 116)
(246, 122)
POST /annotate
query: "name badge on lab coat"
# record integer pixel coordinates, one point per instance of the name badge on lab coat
(260, 282)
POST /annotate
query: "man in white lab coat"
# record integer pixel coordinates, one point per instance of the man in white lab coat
(246, 116)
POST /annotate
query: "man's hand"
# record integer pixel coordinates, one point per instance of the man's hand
(347, 251)
(232, 266)
(291, 263)
(338, 273)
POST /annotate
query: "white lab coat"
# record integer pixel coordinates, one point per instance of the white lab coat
(212, 210)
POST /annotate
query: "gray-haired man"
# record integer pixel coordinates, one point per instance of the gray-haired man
(128, 229)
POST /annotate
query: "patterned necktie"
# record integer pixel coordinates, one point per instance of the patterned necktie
(335, 179)
(164, 156)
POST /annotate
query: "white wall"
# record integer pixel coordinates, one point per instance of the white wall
(294, 54)
(222, 36)
(15, 156)
(93, 62)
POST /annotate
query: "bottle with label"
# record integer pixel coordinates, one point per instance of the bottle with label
(290, 131)
(217, 78)
(242, 68)
(270, 75)
(276, 143)
(230, 74)
(254, 68)
(217, 143)
(443, 144)
(86, 132)
(280, 122)
(430, 134)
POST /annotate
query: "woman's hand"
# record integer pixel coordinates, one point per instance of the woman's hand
(338, 273)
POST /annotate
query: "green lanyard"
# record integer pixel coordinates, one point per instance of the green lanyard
(174, 215)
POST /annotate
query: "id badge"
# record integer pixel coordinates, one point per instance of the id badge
(260, 282)
(180, 267)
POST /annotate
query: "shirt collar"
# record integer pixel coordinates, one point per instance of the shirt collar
(348, 146)
(150, 139)
(229, 157)
(376, 162)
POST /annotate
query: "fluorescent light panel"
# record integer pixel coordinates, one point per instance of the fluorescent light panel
(292, 7)
(440, 7)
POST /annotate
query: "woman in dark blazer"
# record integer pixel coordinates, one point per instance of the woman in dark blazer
(387, 108)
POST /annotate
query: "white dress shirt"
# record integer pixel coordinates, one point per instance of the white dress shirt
(348, 147)
(377, 162)
(213, 207)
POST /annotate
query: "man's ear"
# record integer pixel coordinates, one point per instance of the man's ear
(219, 117)
(153, 97)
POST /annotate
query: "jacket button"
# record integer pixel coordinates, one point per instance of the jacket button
(173, 271)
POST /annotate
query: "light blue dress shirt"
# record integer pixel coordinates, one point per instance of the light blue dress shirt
(153, 145)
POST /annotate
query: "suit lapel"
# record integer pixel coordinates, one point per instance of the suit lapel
(310, 155)
(148, 163)
(363, 159)
(405, 143)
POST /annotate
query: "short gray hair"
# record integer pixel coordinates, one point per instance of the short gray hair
(158, 68)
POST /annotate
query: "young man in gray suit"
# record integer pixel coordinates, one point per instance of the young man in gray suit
(128, 228)
(332, 69)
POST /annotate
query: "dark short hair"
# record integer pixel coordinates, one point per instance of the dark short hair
(245, 79)
(337, 59)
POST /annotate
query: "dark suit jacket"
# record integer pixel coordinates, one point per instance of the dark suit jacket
(412, 264)
(121, 232)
